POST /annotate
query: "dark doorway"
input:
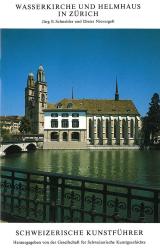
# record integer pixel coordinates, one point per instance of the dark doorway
(54, 136)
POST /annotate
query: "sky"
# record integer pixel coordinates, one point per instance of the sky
(89, 60)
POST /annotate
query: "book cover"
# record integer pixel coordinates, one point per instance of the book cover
(80, 124)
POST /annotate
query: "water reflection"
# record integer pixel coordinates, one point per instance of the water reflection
(141, 167)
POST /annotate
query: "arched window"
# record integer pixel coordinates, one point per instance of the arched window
(107, 128)
(65, 136)
(54, 115)
(65, 114)
(90, 128)
(75, 115)
(124, 128)
(70, 105)
(75, 123)
(75, 136)
(42, 97)
(59, 105)
(132, 128)
(98, 128)
(54, 136)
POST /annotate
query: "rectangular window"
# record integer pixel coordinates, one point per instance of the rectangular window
(65, 123)
(75, 123)
(54, 123)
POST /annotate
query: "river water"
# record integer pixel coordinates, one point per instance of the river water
(129, 166)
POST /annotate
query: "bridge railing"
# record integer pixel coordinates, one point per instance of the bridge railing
(46, 197)
(23, 138)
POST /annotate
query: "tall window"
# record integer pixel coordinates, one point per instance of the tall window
(107, 128)
(98, 128)
(65, 123)
(65, 136)
(90, 128)
(132, 128)
(123, 128)
(54, 123)
(42, 97)
(75, 123)
(115, 128)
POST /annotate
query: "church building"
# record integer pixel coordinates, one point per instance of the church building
(78, 123)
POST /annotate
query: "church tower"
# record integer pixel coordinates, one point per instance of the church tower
(40, 100)
(30, 101)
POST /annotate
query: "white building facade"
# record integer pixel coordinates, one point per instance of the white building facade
(64, 125)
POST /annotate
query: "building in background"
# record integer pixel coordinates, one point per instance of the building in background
(73, 122)
(10, 123)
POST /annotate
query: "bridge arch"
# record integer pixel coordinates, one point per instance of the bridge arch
(13, 149)
(31, 147)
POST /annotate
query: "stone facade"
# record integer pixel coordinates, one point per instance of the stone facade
(36, 100)
(113, 130)
(10, 123)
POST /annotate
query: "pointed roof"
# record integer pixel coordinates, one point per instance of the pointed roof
(116, 86)
(72, 93)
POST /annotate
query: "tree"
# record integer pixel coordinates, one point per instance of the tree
(151, 122)
(25, 125)
(5, 134)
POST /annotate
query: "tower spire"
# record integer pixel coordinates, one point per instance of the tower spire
(116, 93)
(72, 93)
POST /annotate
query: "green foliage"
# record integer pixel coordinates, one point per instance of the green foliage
(5, 134)
(25, 126)
(151, 122)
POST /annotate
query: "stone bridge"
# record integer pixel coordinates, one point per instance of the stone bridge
(15, 147)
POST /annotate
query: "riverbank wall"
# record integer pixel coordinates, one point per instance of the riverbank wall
(82, 145)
